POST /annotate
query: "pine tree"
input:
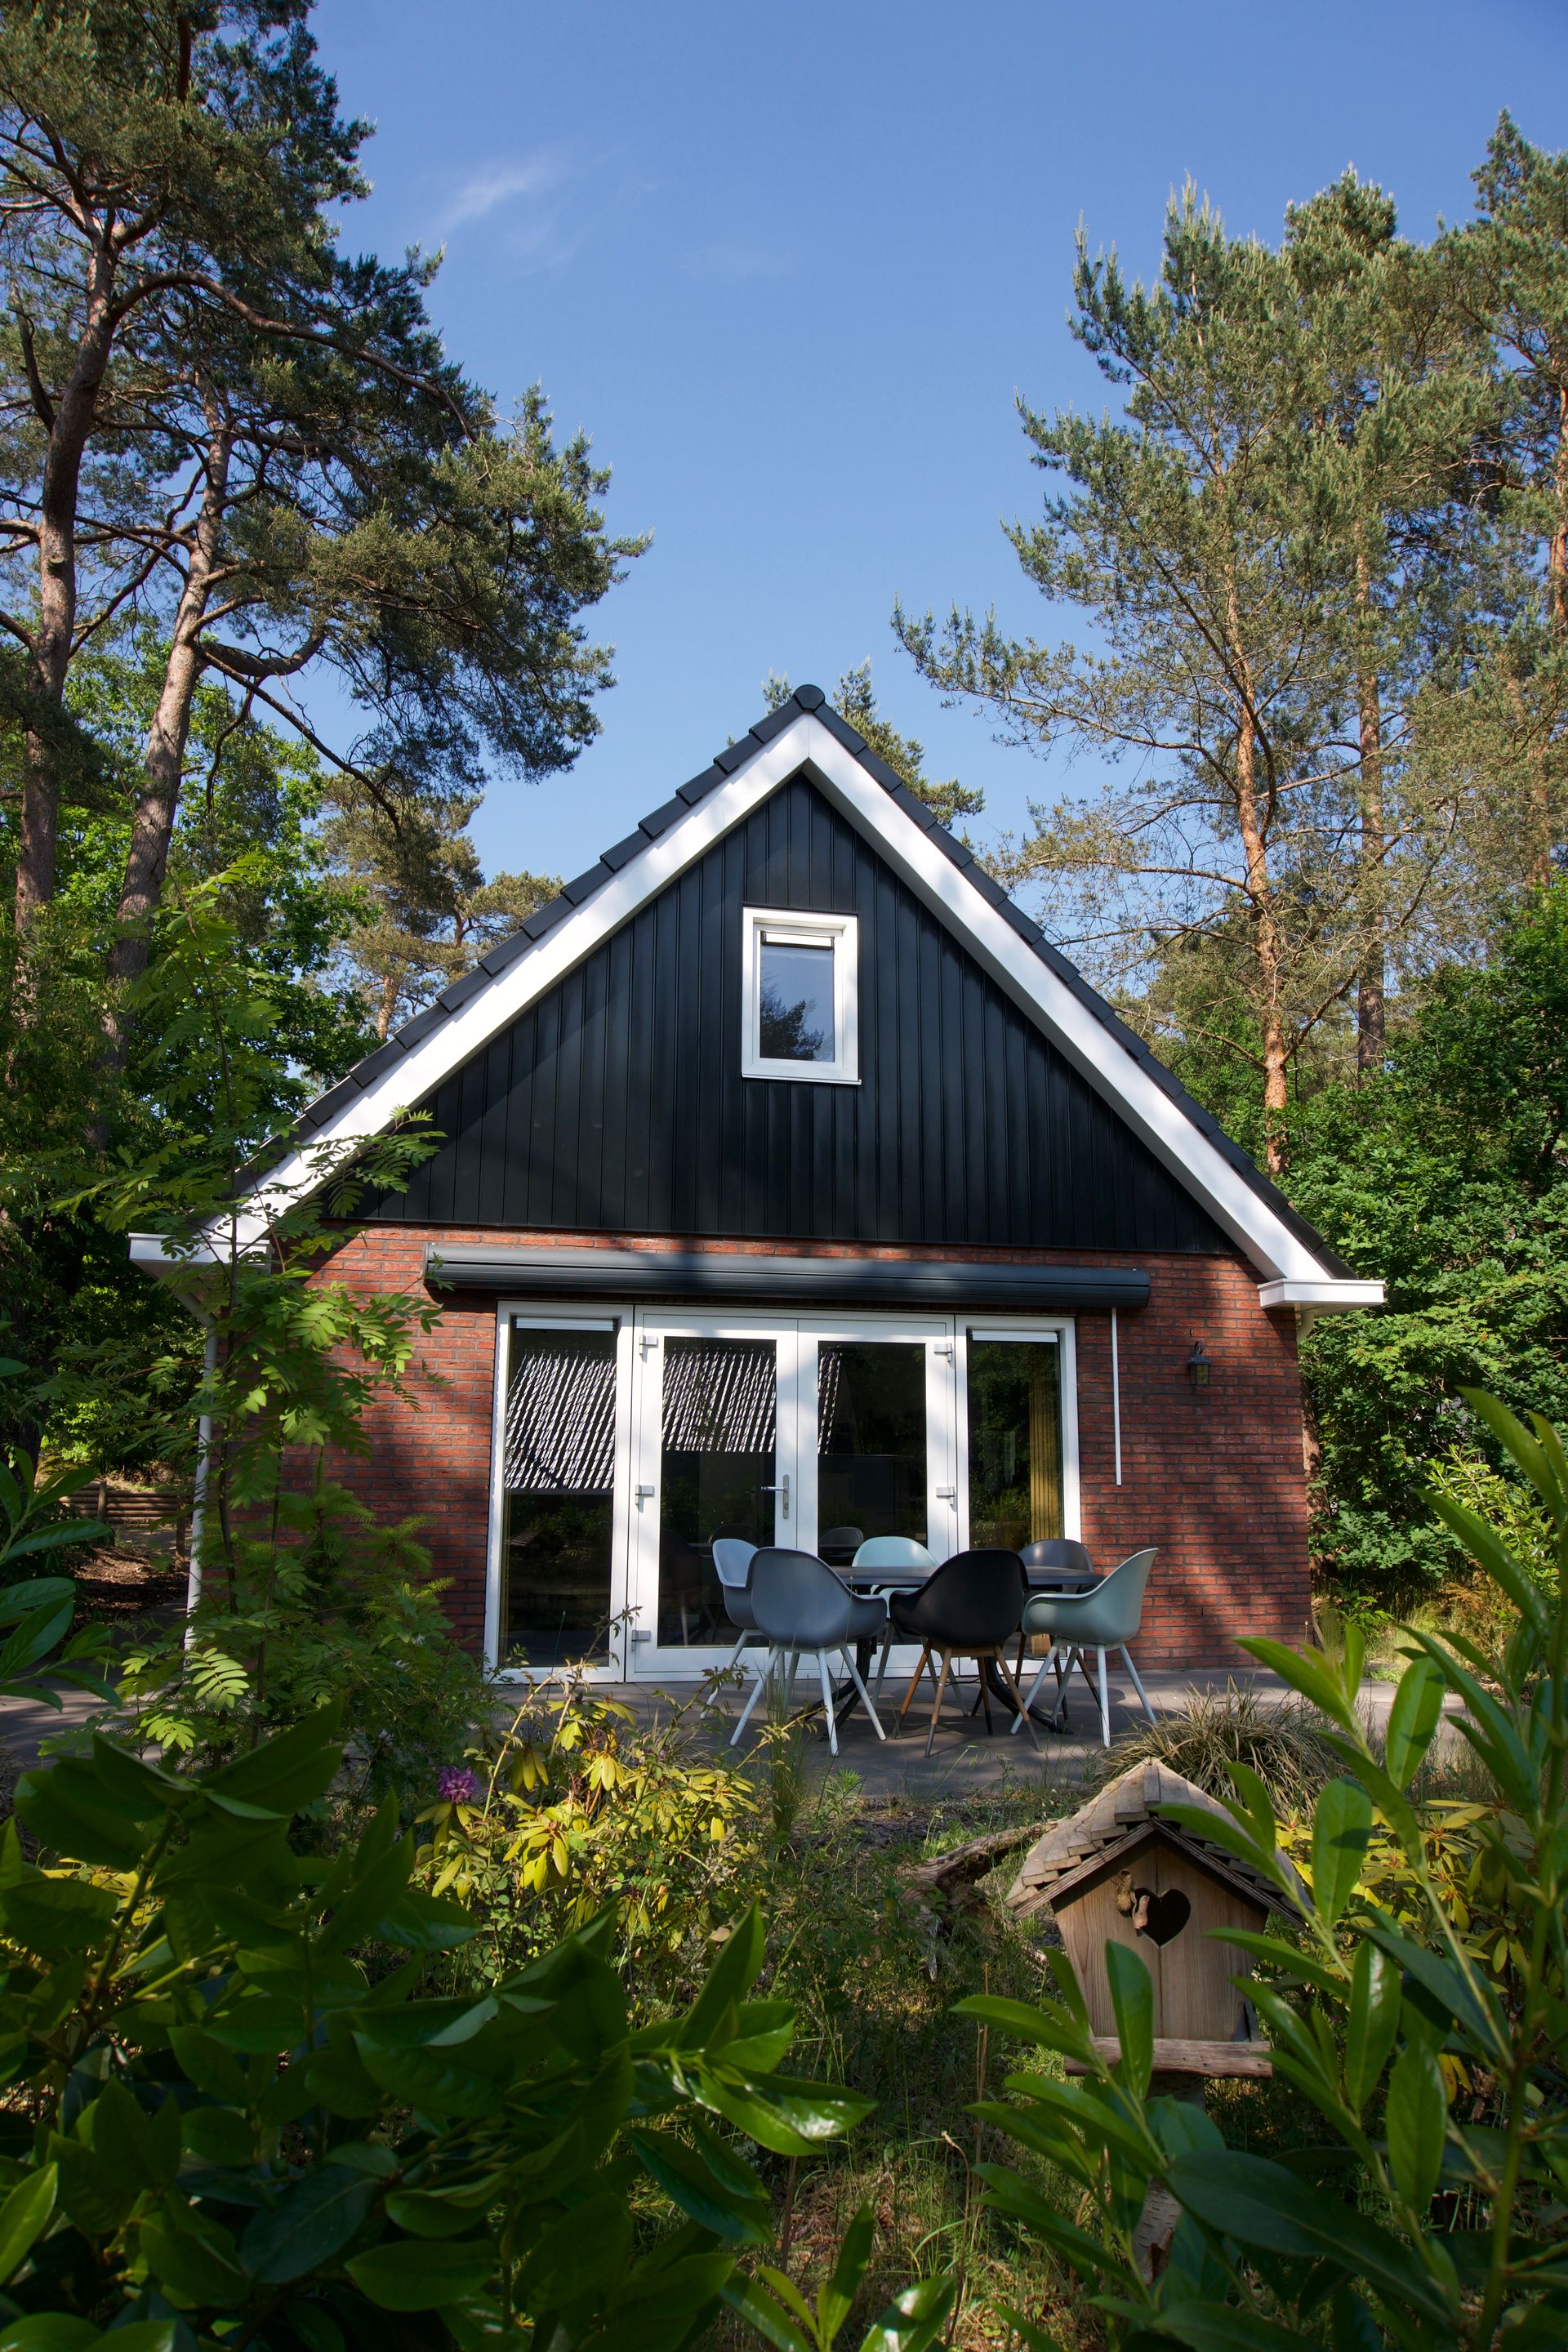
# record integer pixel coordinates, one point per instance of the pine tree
(856, 701)
(215, 419)
(1208, 537)
(429, 913)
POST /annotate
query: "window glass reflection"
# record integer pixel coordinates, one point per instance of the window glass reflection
(871, 1444)
(1015, 1442)
(560, 1461)
(795, 1017)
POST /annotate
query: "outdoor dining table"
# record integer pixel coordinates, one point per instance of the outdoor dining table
(873, 1581)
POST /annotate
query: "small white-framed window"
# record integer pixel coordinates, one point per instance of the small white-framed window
(801, 982)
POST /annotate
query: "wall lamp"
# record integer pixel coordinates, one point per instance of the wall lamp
(1199, 1368)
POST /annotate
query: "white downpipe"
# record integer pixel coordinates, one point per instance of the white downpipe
(1116, 1395)
(199, 1488)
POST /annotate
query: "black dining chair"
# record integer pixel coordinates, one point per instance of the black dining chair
(803, 1610)
(971, 1607)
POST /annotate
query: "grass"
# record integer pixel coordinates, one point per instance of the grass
(1281, 1740)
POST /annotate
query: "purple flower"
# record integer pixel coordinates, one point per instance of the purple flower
(456, 1785)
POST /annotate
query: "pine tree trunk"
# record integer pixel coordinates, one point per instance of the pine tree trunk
(69, 421)
(157, 801)
(1370, 981)
(1265, 947)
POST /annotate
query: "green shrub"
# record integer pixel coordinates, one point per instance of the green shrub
(224, 2127)
(328, 1603)
(577, 1809)
(1434, 2220)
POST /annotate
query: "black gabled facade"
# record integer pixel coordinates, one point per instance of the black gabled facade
(615, 1103)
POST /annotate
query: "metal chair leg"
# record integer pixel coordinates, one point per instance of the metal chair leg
(1039, 1678)
(828, 1701)
(1104, 1703)
(1137, 1682)
(757, 1690)
(1011, 1679)
(849, 1657)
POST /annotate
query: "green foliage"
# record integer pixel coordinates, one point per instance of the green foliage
(1434, 2216)
(328, 1605)
(783, 2317)
(575, 1812)
(1447, 1176)
(238, 2120)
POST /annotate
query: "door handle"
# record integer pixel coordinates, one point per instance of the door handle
(781, 1488)
(947, 1493)
(645, 1493)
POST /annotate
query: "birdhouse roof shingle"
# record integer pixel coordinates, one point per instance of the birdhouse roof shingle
(1115, 1816)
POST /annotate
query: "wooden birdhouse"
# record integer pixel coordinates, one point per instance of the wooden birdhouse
(1117, 1871)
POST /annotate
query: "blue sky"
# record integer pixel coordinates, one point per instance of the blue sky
(789, 265)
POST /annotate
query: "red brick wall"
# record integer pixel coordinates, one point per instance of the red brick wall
(1213, 1476)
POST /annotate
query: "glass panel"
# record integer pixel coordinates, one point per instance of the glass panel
(559, 1467)
(870, 1444)
(797, 1002)
(720, 1458)
(1015, 1442)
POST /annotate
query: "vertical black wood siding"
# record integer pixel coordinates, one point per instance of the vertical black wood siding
(616, 1103)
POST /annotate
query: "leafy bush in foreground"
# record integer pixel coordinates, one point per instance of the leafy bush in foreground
(1439, 2077)
(576, 1808)
(224, 2127)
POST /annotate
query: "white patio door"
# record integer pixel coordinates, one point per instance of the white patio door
(809, 1431)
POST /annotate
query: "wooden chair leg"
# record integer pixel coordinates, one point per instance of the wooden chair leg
(936, 1706)
(914, 1685)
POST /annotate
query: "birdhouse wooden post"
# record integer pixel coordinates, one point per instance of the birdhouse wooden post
(1117, 1871)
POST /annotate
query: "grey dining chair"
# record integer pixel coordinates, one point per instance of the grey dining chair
(1105, 1618)
(733, 1557)
(803, 1610)
(1065, 1552)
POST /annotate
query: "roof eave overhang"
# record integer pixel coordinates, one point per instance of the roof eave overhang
(997, 1286)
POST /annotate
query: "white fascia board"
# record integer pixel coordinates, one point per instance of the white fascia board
(1087, 1044)
(1327, 1296)
(152, 1253)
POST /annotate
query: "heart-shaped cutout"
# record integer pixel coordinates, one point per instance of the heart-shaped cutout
(1164, 1915)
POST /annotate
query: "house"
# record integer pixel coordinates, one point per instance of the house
(793, 1185)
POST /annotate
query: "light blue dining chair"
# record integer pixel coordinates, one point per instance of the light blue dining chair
(890, 1552)
(1105, 1618)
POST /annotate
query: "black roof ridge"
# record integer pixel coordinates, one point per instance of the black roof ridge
(805, 700)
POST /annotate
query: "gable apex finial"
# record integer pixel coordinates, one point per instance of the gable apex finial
(810, 697)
